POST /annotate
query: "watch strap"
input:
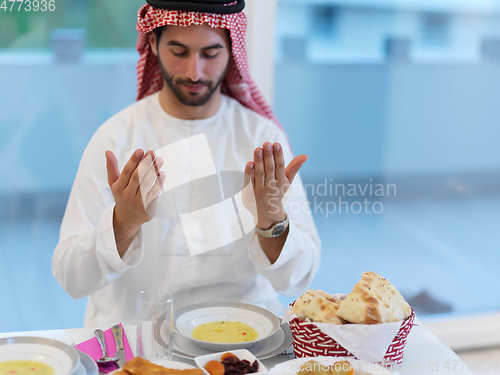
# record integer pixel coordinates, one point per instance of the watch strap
(276, 230)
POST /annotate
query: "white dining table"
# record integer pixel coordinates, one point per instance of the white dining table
(424, 354)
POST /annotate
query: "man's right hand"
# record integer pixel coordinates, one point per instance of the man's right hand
(136, 190)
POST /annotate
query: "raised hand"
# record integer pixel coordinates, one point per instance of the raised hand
(136, 190)
(270, 181)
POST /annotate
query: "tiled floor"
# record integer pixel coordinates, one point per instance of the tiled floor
(448, 248)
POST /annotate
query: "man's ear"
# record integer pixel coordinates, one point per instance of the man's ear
(152, 43)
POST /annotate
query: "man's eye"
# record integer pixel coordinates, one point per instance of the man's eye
(180, 54)
(210, 56)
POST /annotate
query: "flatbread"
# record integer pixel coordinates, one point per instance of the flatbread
(140, 366)
(329, 297)
(314, 368)
(374, 300)
(313, 305)
(338, 368)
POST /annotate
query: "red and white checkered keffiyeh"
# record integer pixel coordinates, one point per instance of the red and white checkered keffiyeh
(237, 83)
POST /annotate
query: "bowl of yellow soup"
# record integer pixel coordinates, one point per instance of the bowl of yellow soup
(37, 355)
(225, 325)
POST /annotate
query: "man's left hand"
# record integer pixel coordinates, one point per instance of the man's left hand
(270, 181)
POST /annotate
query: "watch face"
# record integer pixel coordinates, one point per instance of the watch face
(278, 230)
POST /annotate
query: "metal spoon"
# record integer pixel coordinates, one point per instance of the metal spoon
(105, 360)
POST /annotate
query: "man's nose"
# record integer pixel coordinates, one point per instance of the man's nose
(194, 68)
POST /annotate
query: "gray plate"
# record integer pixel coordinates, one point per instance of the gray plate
(221, 309)
(267, 348)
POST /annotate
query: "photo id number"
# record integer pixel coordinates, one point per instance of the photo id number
(28, 5)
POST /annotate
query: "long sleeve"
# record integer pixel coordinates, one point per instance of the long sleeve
(86, 258)
(86, 261)
(300, 257)
(299, 260)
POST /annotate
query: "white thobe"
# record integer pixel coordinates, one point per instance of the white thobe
(86, 261)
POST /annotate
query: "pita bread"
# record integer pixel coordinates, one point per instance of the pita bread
(140, 366)
(338, 368)
(313, 305)
(314, 368)
(328, 296)
(374, 300)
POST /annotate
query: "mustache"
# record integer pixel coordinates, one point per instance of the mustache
(191, 82)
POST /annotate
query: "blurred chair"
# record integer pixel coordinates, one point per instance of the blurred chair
(397, 48)
(68, 45)
(294, 48)
(490, 48)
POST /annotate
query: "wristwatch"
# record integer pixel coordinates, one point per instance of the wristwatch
(276, 230)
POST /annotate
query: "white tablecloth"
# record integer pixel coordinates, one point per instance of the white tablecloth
(424, 354)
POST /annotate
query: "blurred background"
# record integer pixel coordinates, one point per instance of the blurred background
(395, 102)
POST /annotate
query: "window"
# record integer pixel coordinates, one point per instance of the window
(106, 23)
(435, 28)
(403, 162)
(63, 72)
(324, 21)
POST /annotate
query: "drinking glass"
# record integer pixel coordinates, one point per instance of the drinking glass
(155, 309)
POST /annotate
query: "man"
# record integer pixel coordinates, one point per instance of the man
(110, 248)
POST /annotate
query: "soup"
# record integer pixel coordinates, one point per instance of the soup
(23, 367)
(224, 332)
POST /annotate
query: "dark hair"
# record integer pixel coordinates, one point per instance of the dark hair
(158, 31)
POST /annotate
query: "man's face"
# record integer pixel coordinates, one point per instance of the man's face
(193, 61)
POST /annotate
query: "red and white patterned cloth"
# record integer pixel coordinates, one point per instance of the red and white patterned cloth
(237, 83)
(310, 341)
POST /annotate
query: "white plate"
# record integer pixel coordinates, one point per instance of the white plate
(262, 320)
(267, 348)
(87, 365)
(293, 366)
(61, 357)
(241, 354)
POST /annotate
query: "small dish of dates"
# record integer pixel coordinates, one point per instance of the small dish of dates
(236, 362)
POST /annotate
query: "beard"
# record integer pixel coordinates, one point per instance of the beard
(191, 99)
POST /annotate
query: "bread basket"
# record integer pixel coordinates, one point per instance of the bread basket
(310, 341)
